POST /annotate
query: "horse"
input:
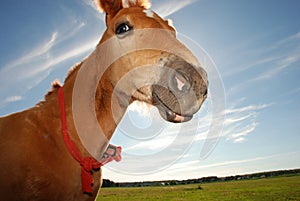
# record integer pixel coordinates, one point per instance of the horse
(38, 144)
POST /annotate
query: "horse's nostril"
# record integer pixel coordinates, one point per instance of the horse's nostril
(205, 93)
(179, 82)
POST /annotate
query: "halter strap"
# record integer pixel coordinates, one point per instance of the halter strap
(88, 164)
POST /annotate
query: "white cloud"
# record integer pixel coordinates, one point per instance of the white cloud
(240, 136)
(42, 52)
(248, 108)
(13, 99)
(197, 165)
(280, 65)
(198, 169)
(252, 64)
(140, 107)
(33, 55)
(151, 146)
(30, 69)
(52, 61)
(242, 121)
(167, 7)
(91, 3)
(267, 62)
(271, 54)
(167, 133)
(291, 92)
(290, 40)
(239, 140)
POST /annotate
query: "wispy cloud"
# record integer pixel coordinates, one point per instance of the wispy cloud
(291, 92)
(198, 169)
(55, 60)
(13, 99)
(91, 3)
(33, 55)
(167, 134)
(248, 108)
(32, 68)
(281, 65)
(242, 121)
(20, 67)
(253, 64)
(167, 7)
(240, 136)
(285, 42)
(98, 14)
(269, 62)
(193, 165)
(274, 57)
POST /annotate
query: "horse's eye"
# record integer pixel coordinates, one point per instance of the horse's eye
(123, 28)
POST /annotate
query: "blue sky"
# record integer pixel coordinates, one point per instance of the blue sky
(255, 46)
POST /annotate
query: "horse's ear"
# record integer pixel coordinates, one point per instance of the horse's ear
(110, 7)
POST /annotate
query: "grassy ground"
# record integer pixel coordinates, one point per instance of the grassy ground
(278, 188)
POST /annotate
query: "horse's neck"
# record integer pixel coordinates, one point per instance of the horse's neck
(50, 107)
(103, 103)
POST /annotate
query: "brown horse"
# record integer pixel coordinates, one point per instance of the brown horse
(35, 163)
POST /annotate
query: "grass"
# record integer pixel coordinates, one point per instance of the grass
(277, 188)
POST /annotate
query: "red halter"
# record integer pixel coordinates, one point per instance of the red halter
(88, 164)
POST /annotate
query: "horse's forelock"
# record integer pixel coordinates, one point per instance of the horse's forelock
(126, 4)
(140, 3)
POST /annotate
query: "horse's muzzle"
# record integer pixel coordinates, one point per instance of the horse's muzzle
(181, 90)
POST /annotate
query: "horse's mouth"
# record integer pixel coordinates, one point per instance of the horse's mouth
(167, 113)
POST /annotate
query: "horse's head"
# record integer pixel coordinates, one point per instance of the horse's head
(173, 81)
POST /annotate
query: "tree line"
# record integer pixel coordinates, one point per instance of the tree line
(108, 183)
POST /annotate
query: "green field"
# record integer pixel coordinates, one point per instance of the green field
(278, 188)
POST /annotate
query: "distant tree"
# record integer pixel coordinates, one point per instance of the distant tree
(107, 183)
